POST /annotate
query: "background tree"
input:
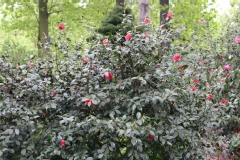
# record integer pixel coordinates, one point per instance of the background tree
(113, 23)
(164, 10)
(43, 36)
(143, 9)
(23, 18)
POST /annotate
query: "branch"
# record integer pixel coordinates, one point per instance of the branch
(32, 9)
(53, 6)
(49, 13)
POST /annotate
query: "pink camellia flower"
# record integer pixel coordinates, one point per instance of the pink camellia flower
(147, 20)
(224, 102)
(201, 21)
(62, 143)
(128, 36)
(195, 81)
(89, 102)
(151, 137)
(105, 42)
(227, 67)
(193, 89)
(237, 39)
(169, 16)
(202, 62)
(211, 70)
(108, 75)
(84, 60)
(61, 26)
(176, 57)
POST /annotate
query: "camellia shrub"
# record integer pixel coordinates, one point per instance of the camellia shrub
(138, 100)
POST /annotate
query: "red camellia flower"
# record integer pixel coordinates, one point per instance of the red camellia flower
(202, 62)
(169, 16)
(224, 102)
(238, 130)
(7, 89)
(61, 26)
(144, 35)
(209, 97)
(193, 89)
(108, 75)
(84, 60)
(53, 94)
(195, 81)
(62, 143)
(176, 58)
(150, 137)
(147, 20)
(31, 64)
(227, 75)
(87, 102)
(180, 67)
(105, 42)
(128, 37)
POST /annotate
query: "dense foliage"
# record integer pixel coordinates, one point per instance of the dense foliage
(113, 22)
(137, 100)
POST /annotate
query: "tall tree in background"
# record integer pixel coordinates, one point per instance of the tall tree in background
(163, 12)
(120, 2)
(43, 28)
(143, 9)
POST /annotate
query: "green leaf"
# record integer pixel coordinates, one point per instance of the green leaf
(16, 131)
(23, 152)
(138, 115)
(53, 105)
(100, 155)
(133, 141)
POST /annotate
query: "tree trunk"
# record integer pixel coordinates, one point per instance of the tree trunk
(43, 29)
(164, 12)
(120, 2)
(143, 9)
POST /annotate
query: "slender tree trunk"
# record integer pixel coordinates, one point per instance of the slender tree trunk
(164, 12)
(43, 29)
(143, 9)
(120, 2)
